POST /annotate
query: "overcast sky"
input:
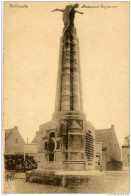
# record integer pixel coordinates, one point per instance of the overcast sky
(31, 50)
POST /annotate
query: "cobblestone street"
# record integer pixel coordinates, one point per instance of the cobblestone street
(112, 182)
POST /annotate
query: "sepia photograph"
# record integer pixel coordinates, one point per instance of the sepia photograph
(66, 97)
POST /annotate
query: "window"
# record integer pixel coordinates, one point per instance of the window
(104, 149)
(97, 155)
(51, 157)
(52, 134)
(46, 145)
(16, 141)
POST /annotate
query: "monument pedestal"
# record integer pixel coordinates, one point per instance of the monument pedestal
(74, 165)
(62, 144)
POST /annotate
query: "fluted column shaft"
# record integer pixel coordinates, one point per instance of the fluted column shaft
(69, 93)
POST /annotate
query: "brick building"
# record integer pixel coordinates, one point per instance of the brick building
(111, 153)
(17, 156)
(126, 153)
(14, 149)
(14, 143)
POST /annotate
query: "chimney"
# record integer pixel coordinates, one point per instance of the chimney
(113, 127)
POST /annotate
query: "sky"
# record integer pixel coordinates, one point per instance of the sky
(31, 51)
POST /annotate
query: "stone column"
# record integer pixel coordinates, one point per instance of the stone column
(80, 82)
(59, 78)
(68, 95)
(75, 71)
(65, 96)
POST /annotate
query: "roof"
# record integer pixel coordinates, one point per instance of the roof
(8, 132)
(89, 124)
(105, 136)
(101, 134)
(51, 125)
(35, 140)
(14, 142)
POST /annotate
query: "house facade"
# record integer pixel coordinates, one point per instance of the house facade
(111, 153)
(126, 153)
(14, 143)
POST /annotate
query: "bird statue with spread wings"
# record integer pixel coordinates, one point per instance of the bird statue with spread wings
(69, 15)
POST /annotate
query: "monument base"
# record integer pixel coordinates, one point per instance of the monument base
(63, 178)
(74, 165)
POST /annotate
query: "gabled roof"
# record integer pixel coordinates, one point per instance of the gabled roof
(74, 125)
(105, 136)
(14, 142)
(8, 132)
(53, 124)
(102, 133)
(35, 140)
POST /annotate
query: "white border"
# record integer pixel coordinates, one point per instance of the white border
(1, 91)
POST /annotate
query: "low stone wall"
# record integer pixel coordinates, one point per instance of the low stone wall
(65, 180)
(44, 177)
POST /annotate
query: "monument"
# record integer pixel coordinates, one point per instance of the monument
(67, 142)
